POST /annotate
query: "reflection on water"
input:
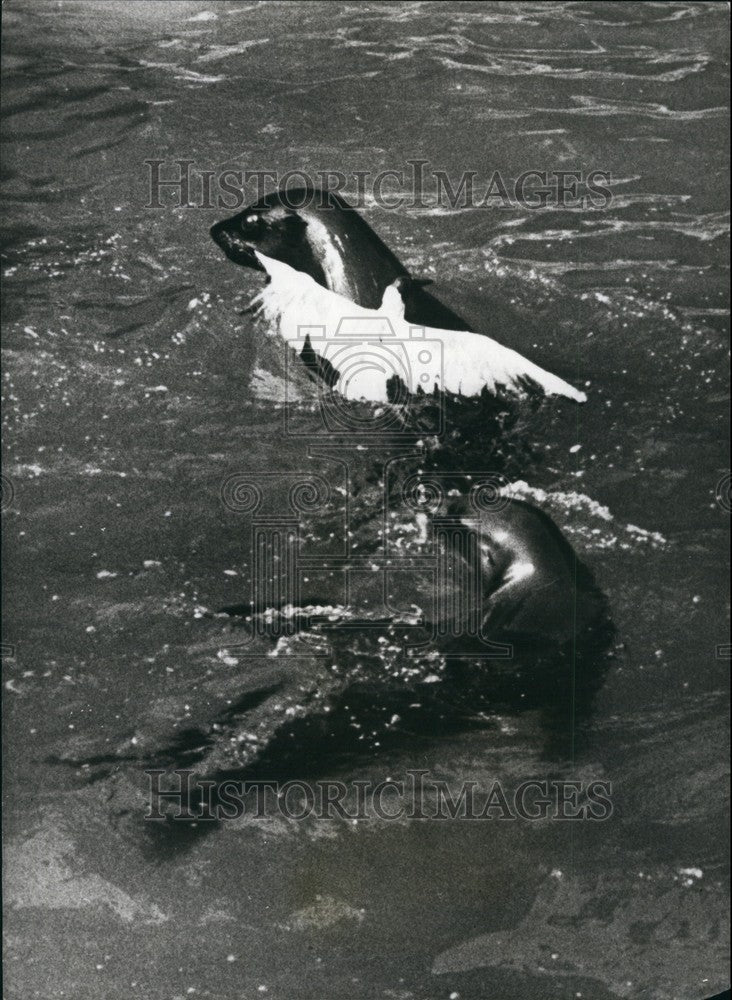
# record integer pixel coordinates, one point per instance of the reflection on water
(129, 401)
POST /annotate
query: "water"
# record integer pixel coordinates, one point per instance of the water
(127, 404)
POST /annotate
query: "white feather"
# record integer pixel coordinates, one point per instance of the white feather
(370, 345)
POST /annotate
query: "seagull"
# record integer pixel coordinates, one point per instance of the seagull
(362, 350)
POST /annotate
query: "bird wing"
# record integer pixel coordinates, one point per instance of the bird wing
(471, 362)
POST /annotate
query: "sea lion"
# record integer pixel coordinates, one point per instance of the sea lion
(328, 240)
(506, 570)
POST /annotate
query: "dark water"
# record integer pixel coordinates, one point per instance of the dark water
(127, 404)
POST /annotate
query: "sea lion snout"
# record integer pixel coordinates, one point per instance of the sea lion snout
(277, 231)
(238, 246)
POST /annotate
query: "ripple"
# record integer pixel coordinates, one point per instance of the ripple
(526, 63)
(594, 106)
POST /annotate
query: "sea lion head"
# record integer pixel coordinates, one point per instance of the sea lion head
(275, 227)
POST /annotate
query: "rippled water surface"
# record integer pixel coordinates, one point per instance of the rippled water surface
(134, 386)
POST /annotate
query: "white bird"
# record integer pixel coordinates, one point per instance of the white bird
(367, 347)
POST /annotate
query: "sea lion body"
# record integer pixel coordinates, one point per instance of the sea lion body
(533, 582)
